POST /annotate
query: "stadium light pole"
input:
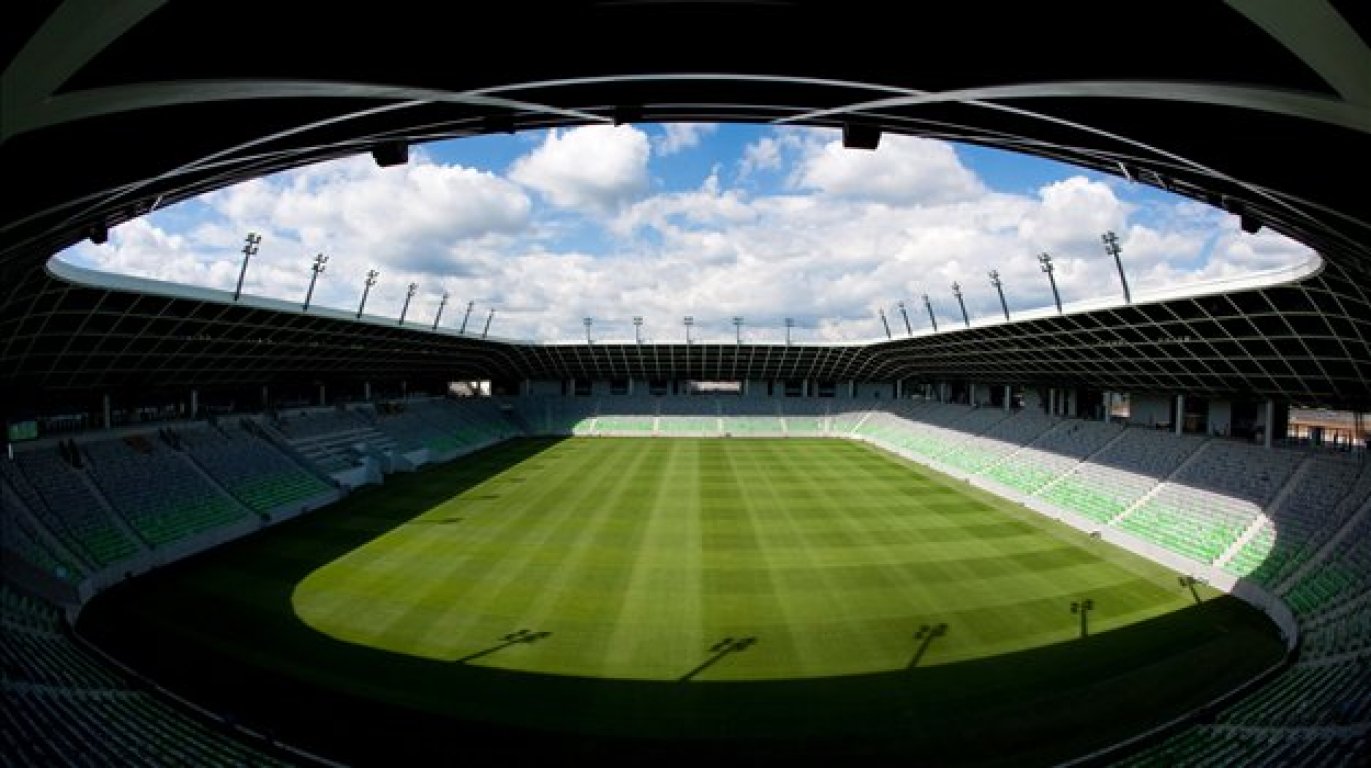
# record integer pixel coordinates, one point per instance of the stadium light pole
(409, 294)
(689, 321)
(884, 322)
(317, 269)
(1111, 247)
(904, 312)
(999, 288)
(638, 329)
(931, 318)
(250, 244)
(366, 289)
(789, 323)
(588, 322)
(957, 291)
(1046, 260)
(439, 315)
(466, 317)
(486, 331)
(738, 329)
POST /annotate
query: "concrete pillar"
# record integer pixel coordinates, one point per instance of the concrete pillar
(1051, 401)
(1007, 392)
(852, 389)
(1270, 422)
(971, 393)
(266, 397)
(630, 386)
(404, 389)
(105, 400)
(899, 389)
(366, 391)
(1108, 406)
(194, 402)
(323, 397)
(1180, 413)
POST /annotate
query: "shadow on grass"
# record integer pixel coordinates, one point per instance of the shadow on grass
(221, 629)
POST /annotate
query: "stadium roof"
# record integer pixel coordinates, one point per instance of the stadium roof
(1260, 107)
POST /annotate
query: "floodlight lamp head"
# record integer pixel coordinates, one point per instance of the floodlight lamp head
(858, 136)
(390, 153)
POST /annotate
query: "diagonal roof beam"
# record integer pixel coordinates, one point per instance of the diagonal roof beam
(1324, 109)
(1315, 32)
(76, 32)
(96, 102)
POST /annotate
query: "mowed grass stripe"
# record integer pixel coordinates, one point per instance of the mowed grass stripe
(661, 625)
(638, 555)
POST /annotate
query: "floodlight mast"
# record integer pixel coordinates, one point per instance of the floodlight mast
(904, 312)
(250, 244)
(1046, 260)
(884, 322)
(486, 331)
(957, 291)
(931, 318)
(689, 321)
(439, 314)
(638, 329)
(789, 323)
(738, 328)
(466, 317)
(409, 294)
(588, 322)
(1111, 247)
(317, 269)
(366, 289)
(999, 288)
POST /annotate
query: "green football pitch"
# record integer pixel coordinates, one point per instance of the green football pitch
(712, 587)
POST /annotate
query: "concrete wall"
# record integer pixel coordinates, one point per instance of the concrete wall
(1148, 410)
(1220, 417)
(869, 391)
(539, 388)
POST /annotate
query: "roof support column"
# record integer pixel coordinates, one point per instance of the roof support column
(899, 389)
(323, 398)
(1006, 398)
(366, 391)
(266, 397)
(971, 393)
(105, 401)
(1108, 406)
(1180, 413)
(194, 403)
(1270, 420)
(1051, 401)
(851, 389)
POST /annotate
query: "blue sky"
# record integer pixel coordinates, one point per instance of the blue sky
(763, 222)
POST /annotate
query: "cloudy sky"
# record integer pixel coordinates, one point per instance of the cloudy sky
(714, 222)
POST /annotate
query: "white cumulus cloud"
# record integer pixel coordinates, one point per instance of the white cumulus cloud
(595, 169)
(832, 238)
(903, 171)
(678, 137)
